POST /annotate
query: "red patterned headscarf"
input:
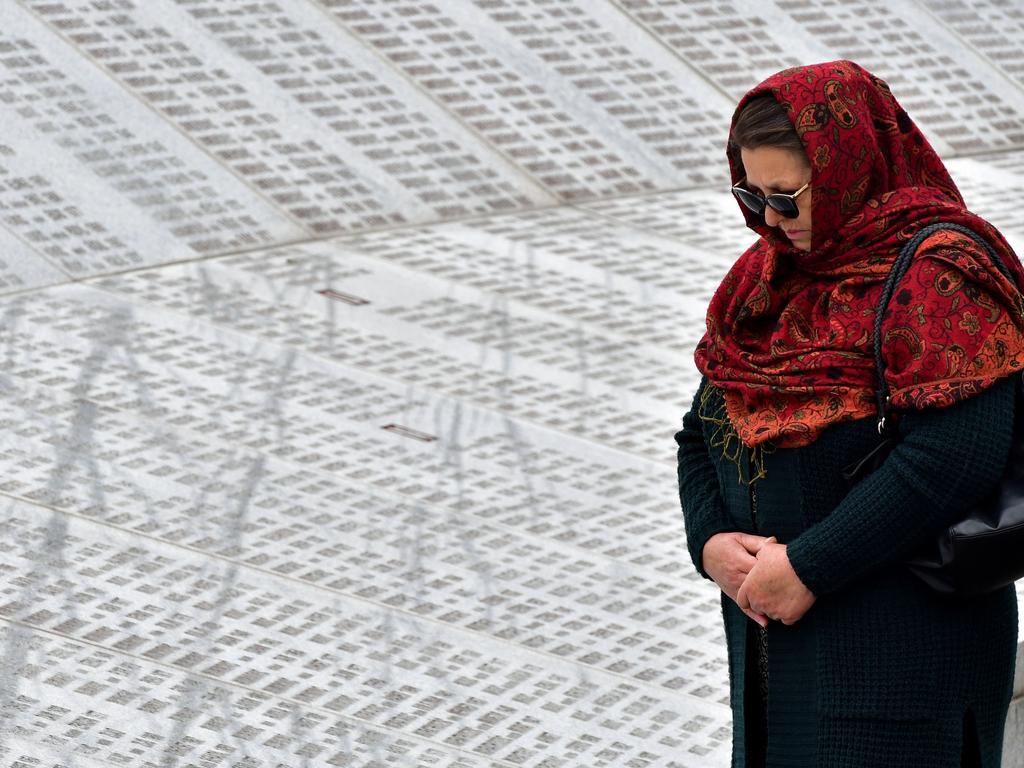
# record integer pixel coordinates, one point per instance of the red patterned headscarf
(789, 332)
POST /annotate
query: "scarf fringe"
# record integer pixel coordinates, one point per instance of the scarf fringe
(724, 436)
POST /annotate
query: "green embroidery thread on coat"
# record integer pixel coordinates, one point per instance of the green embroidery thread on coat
(725, 437)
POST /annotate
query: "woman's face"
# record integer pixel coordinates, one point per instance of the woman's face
(774, 169)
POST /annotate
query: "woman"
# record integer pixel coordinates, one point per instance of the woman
(838, 655)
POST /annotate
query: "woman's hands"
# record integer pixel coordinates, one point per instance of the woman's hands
(728, 558)
(772, 587)
(754, 571)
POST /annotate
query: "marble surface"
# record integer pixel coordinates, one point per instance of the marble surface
(344, 342)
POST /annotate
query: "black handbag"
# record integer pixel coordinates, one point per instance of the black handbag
(985, 550)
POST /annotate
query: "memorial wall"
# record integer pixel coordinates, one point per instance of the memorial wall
(344, 342)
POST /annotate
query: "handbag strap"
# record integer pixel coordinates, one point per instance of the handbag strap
(899, 268)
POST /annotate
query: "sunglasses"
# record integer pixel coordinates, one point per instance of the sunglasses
(783, 204)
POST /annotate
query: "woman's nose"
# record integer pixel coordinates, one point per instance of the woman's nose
(771, 216)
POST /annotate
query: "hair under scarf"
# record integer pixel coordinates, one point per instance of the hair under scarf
(789, 332)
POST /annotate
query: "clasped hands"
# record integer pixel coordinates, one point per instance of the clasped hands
(754, 571)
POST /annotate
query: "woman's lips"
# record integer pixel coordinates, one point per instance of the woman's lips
(795, 233)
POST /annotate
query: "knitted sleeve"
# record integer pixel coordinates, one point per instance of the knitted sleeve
(703, 509)
(947, 459)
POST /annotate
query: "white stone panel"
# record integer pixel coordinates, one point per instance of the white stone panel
(588, 102)
(368, 494)
(299, 109)
(94, 182)
(20, 267)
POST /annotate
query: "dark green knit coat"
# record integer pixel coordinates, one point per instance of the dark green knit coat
(881, 671)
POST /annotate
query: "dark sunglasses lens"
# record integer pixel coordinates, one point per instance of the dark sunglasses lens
(749, 199)
(783, 205)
